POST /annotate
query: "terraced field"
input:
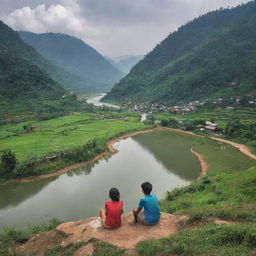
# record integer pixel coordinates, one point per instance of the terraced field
(42, 138)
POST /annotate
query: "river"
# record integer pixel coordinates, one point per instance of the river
(160, 157)
(96, 101)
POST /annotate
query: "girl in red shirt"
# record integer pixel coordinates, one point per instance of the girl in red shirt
(111, 215)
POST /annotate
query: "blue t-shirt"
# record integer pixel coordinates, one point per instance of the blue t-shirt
(151, 208)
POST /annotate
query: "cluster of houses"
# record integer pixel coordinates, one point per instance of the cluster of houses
(189, 107)
(234, 100)
(154, 108)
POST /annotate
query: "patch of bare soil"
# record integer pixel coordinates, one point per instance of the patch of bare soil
(203, 163)
(38, 244)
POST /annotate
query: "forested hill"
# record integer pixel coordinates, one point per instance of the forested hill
(20, 77)
(212, 56)
(94, 72)
(24, 86)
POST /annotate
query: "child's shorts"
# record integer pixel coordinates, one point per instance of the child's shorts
(141, 219)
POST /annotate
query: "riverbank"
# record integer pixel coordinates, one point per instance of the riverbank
(111, 150)
(203, 163)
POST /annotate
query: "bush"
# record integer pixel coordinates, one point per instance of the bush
(195, 215)
(85, 152)
(8, 162)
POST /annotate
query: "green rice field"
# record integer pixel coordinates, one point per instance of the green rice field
(55, 135)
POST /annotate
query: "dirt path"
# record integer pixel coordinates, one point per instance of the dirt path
(243, 148)
(203, 163)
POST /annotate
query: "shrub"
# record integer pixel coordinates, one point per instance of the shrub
(8, 162)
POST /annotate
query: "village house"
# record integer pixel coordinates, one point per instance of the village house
(210, 126)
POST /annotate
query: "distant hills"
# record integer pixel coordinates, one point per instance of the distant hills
(19, 76)
(25, 87)
(212, 56)
(87, 70)
(124, 63)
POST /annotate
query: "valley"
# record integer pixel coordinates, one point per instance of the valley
(74, 123)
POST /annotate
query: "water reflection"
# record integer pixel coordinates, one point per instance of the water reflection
(79, 194)
(172, 150)
(14, 193)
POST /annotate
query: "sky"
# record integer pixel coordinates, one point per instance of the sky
(112, 27)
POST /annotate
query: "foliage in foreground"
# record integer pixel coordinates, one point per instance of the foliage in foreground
(225, 196)
(10, 237)
(106, 249)
(235, 240)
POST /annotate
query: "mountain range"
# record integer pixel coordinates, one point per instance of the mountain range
(124, 63)
(209, 57)
(86, 70)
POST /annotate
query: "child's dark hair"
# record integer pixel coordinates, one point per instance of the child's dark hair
(146, 187)
(114, 194)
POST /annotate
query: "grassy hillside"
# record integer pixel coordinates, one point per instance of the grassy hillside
(227, 195)
(26, 89)
(90, 71)
(212, 56)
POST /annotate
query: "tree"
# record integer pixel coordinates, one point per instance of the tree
(234, 126)
(8, 161)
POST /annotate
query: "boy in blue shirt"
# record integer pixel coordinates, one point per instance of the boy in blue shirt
(151, 214)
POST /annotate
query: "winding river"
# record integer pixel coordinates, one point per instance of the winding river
(96, 101)
(161, 157)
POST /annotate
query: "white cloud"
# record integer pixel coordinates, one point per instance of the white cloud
(54, 18)
(114, 27)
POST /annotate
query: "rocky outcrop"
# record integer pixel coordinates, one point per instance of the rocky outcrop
(90, 230)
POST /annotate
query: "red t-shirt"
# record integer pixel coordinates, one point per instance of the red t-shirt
(114, 211)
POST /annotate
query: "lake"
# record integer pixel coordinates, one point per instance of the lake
(160, 157)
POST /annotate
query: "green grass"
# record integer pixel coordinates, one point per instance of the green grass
(10, 237)
(214, 240)
(220, 194)
(62, 133)
(16, 112)
(223, 158)
(106, 249)
(225, 196)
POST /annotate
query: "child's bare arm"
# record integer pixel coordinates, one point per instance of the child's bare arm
(137, 210)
